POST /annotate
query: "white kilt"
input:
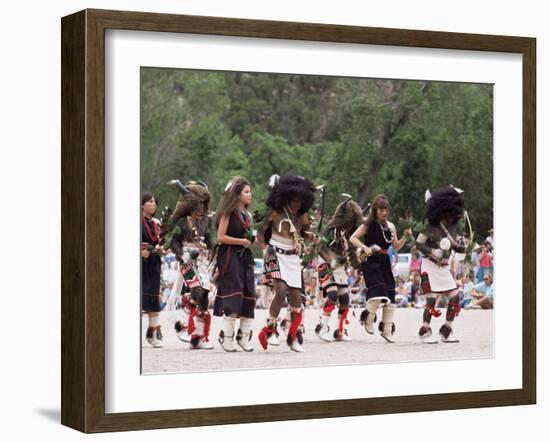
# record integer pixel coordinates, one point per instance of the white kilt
(440, 278)
(290, 266)
(339, 275)
(200, 265)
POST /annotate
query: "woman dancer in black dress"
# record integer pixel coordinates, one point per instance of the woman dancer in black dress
(150, 268)
(379, 235)
(236, 296)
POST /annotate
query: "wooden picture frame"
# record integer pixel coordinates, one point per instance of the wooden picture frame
(83, 215)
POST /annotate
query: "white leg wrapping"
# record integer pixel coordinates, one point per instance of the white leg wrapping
(387, 318)
(227, 334)
(153, 319)
(324, 332)
(374, 303)
(296, 346)
(372, 307)
(273, 338)
(246, 334)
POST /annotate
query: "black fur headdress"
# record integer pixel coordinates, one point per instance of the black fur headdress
(288, 188)
(446, 203)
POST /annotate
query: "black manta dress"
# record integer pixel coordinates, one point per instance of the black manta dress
(150, 267)
(377, 269)
(236, 289)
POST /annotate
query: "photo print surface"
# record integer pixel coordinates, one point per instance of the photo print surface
(303, 221)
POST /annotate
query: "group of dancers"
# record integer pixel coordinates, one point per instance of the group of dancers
(354, 237)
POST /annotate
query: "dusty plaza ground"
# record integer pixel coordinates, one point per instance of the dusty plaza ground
(474, 329)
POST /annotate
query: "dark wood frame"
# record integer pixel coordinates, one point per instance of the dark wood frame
(83, 215)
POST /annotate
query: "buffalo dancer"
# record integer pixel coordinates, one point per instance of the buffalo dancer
(186, 234)
(445, 207)
(335, 256)
(282, 235)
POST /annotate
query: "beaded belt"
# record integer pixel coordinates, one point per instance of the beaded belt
(285, 251)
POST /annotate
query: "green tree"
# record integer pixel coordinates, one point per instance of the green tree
(354, 135)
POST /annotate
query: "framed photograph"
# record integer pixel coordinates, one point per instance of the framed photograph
(227, 250)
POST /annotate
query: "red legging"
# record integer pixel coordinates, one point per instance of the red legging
(281, 292)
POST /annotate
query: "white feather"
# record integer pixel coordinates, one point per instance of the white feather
(427, 195)
(459, 191)
(273, 180)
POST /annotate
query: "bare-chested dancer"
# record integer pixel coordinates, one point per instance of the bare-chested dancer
(282, 237)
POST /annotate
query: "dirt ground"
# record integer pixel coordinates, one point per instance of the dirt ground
(474, 329)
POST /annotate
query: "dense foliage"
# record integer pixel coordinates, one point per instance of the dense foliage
(358, 136)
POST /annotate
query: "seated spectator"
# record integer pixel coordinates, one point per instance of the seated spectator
(483, 293)
(408, 287)
(466, 293)
(416, 297)
(401, 295)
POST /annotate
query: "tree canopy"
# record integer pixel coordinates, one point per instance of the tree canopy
(354, 135)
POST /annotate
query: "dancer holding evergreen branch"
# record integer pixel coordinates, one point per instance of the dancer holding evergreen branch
(445, 208)
(379, 234)
(336, 253)
(282, 236)
(186, 233)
